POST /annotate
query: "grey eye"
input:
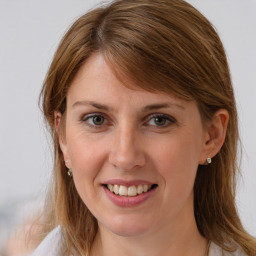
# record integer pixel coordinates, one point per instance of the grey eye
(160, 121)
(97, 120)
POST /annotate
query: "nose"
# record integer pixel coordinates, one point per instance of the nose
(127, 152)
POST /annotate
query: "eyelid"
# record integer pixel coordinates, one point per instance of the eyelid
(84, 119)
(169, 118)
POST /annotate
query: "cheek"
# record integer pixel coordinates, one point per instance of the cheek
(176, 163)
(86, 158)
(176, 160)
(178, 156)
(86, 161)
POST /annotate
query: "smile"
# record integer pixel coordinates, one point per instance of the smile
(130, 191)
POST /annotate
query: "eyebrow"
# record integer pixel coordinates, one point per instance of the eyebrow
(144, 109)
(162, 105)
(91, 103)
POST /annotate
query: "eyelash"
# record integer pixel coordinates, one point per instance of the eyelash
(85, 119)
(166, 118)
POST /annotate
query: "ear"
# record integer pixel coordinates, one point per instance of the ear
(60, 131)
(215, 133)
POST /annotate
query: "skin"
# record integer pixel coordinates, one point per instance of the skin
(129, 142)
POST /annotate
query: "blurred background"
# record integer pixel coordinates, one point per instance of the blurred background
(30, 31)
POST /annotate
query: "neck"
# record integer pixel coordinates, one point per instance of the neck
(168, 240)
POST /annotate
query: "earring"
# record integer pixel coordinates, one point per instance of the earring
(70, 173)
(209, 160)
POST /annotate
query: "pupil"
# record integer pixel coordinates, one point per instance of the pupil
(98, 120)
(160, 121)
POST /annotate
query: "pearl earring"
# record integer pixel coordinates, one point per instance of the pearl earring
(70, 173)
(209, 160)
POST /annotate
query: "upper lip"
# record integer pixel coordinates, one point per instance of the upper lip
(127, 183)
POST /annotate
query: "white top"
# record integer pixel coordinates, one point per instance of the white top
(51, 246)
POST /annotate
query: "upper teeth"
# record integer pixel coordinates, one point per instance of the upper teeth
(128, 191)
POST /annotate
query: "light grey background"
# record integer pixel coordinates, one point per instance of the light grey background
(30, 31)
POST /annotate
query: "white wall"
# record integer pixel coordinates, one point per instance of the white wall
(29, 33)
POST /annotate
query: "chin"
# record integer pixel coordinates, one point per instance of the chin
(128, 227)
(129, 231)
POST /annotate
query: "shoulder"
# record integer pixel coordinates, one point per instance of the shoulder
(51, 245)
(215, 250)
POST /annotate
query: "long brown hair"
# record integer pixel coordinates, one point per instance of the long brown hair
(161, 45)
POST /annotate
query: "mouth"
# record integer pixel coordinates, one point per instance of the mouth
(129, 191)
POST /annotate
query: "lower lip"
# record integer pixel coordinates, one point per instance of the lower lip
(125, 201)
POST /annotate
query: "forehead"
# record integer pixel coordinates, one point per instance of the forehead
(96, 88)
(96, 79)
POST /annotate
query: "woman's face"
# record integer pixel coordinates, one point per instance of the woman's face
(145, 146)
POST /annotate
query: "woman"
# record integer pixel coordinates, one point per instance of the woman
(142, 113)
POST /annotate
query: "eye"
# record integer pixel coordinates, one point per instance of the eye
(98, 120)
(160, 120)
(94, 120)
